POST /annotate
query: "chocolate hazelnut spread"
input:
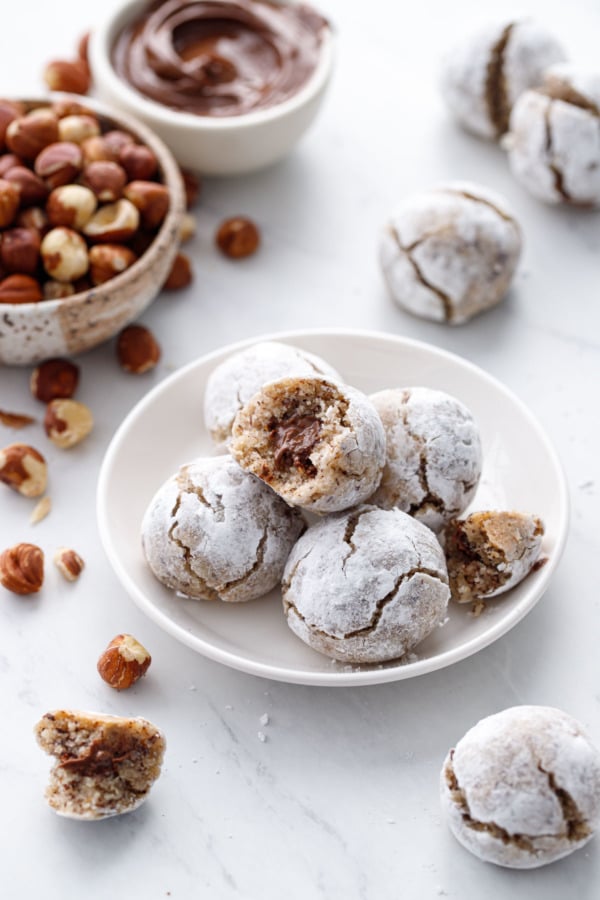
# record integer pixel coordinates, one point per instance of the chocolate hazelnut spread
(101, 756)
(294, 440)
(220, 58)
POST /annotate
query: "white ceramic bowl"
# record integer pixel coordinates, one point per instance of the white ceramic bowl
(230, 145)
(30, 332)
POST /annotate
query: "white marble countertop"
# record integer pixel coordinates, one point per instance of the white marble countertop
(341, 800)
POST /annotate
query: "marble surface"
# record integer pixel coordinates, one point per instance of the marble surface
(341, 798)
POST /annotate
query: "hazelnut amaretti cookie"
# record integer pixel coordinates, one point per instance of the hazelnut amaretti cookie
(320, 445)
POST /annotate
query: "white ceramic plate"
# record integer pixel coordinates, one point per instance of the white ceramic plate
(521, 472)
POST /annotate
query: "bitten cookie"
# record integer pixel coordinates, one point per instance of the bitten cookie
(522, 787)
(366, 586)
(234, 381)
(490, 552)
(213, 532)
(320, 445)
(450, 252)
(486, 72)
(105, 765)
(434, 457)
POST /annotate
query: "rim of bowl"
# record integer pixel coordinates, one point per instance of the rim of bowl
(171, 178)
(101, 42)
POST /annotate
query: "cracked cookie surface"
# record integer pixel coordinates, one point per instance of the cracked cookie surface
(522, 787)
(320, 445)
(485, 73)
(105, 765)
(433, 454)
(213, 532)
(451, 252)
(365, 586)
(234, 381)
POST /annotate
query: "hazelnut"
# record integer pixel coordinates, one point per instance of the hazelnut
(20, 250)
(108, 260)
(33, 217)
(151, 199)
(54, 379)
(9, 202)
(67, 422)
(20, 289)
(9, 161)
(180, 275)
(115, 140)
(71, 77)
(8, 112)
(139, 162)
(32, 189)
(72, 205)
(237, 237)
(137, 349)
(114, 222)
(106, 179)
(29, 134)
(192, 186)
(23, 469)
(69, 563)
(96, 149)
(78, 128)
(22, 569)
(57, 290)
(123, 662)
(187, 229)
(64, 254)
(59, 163)
(67, 107)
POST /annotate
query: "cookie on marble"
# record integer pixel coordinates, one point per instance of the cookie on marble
(365, 586)
(433, 456)
(234, 381)
(105, 765)
(554, 143)
(320, 445)
(522, 787)
(450, 252)
(213, 532)
(484, 74)
(490, 552)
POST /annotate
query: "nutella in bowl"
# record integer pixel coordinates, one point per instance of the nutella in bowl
(230, 85)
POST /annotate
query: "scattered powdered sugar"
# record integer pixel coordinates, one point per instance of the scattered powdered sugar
(264, 719)
(261, 736)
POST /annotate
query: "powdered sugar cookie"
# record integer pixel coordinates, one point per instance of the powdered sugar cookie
(320, 445)
(433, 456)
(450, 252)
(490, 552)
(105, 765)
(214, 532)
(234, 381)
(522, 787)
(365, 586)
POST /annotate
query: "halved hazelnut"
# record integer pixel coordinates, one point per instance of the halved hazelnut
(20, 250)
(29, 134)
(64, 254)
(59, 163)
(32, 189)
(72, 205)
(139, 162)
(24, 469)
(151, 199)
(106, 179)
(73, 77)
(108, 260)
(78, 128)
(55, 378)
(137, 349)
(67, 422)
(114, 222)
(9, 202)
(20, 289)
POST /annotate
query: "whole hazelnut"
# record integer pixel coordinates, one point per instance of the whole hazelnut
(116, 139)
(139, 162)
(237, 237)
(69, 563)
(20, 250)
(54, 379)
(65, 106)
(73, 77)
(72, 205)
(137, 349)
(187, 229)
(78, 128)
(31, 188)
(192, 186)
(67, 422)
(450, 252)
(113, 222)
(22, 569)
(33, 217)
(96, 149)
(9, 110)
(123, 662)
(180, 275)
(105, 179)
(151, 199)
(20, 289)
(59, 163)
(484, 74)
(23, 469)
(57, 290)
(9, 202)
(29, 134)
(9, 161)
(108, 260)
(64, 254)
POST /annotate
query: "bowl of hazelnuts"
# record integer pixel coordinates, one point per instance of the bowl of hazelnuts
(91, 205)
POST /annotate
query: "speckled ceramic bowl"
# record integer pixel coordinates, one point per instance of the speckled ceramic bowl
(30, 332)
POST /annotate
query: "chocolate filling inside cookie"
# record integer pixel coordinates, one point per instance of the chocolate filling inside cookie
(293, 440)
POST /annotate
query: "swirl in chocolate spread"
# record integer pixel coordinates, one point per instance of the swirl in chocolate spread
(220, 58)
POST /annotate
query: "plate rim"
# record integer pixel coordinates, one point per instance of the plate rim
(334, 678)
